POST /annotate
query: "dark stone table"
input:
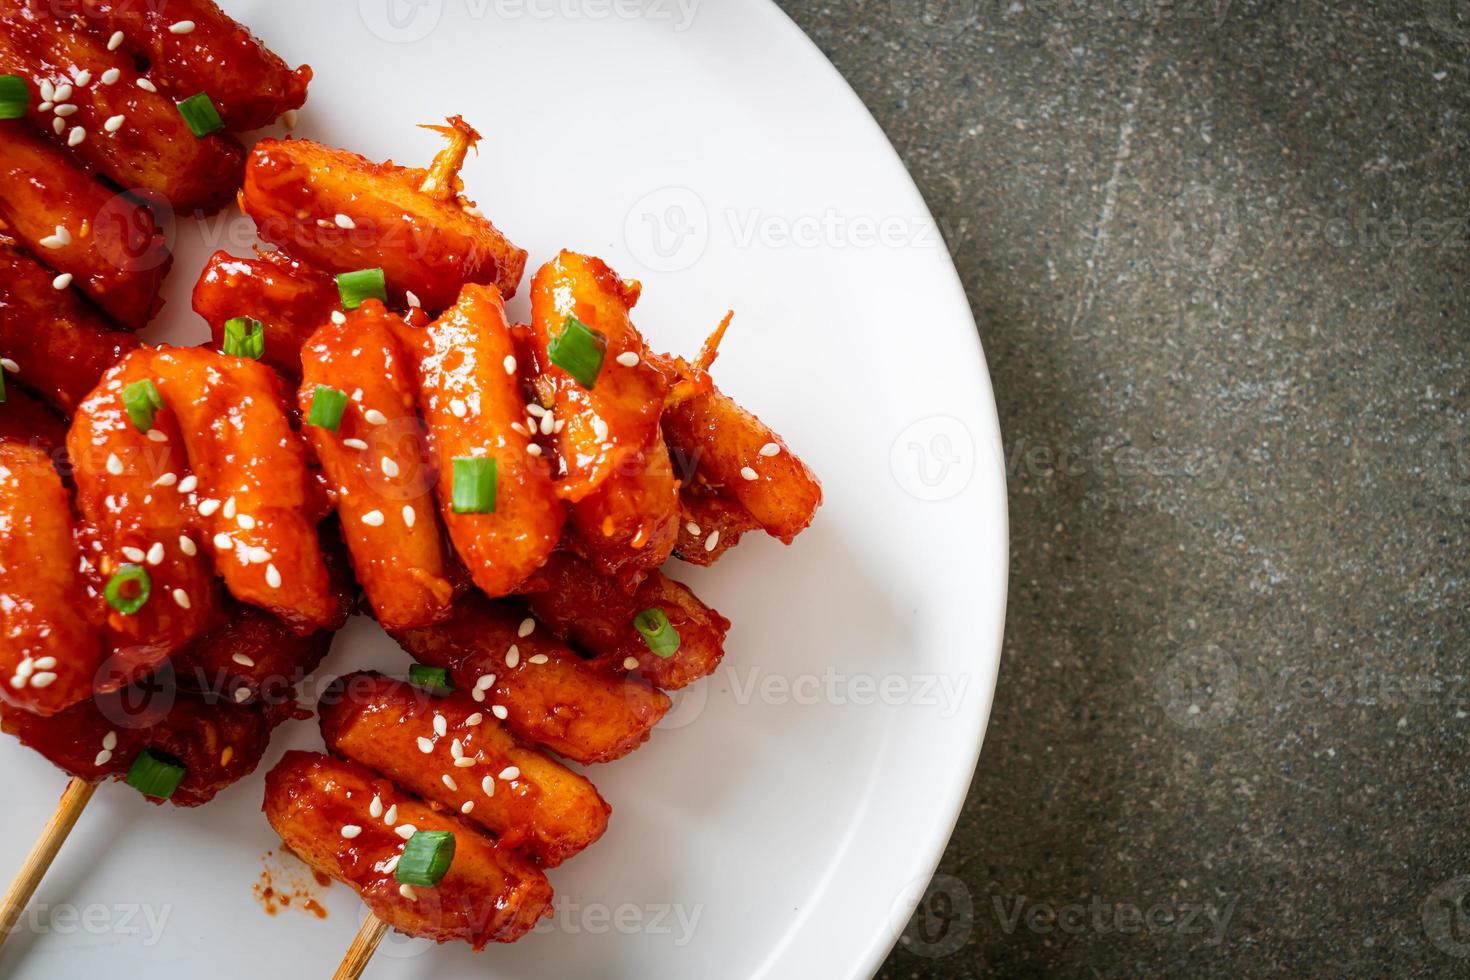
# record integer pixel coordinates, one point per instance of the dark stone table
(1218, 252)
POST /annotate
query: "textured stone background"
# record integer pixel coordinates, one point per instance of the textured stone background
(1218, 253)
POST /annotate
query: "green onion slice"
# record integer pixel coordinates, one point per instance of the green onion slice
(578, 350)
(327, 406)
(15, 97)
(129, 589)
(657, 632)
(2, 387)
(476, 480)
(201, 115)
(142, 401)
(431, 678)
(155, 777)
(358, 287)
(426, 858)
(244, 337)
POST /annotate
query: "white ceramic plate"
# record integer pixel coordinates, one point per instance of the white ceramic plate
(784, 819)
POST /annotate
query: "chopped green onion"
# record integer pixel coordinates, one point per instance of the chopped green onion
(426, 858)
(432, 678)
(142, 401)
(578, 350)
(154, 777)
(327, 406)
(15, 97)
(358, 287)
(201, 115)
(476, 480)
(244, 337)
(2, 387)
(657, 632)
(129, 589)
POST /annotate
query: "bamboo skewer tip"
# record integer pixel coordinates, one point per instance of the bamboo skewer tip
(68, 811)
(364, 944)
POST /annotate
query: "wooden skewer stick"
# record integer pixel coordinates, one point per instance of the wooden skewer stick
(68, 811)
(362, 949)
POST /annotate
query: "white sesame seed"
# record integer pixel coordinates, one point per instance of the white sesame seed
(373, 518)
(390, 468)
(771, 449)
(27, 668)
(375, 417)
(84, 78)
(186, 545)
(114, 123)
(63, 92)
(223, 541)
(488, 785)
(48, 90)
(749, 474)
(77, 137)
(469, 805)
(513, 656)
(134, 554)
(288, 118)
(181, 599)
(533, 450)
(344, 222)
(527, 627)
(158, 435)
(407, 892)
(182, 27)
(242, 660)
(167, 480)
(338, 317)
(547, 421)
(534, 410)
(354, 443)
(114, 465)
(155, 553)
(425, 745)
(57, 240)
(273, 576)
(229, 510)
(449, 782)
(714, 539)
(485, 682)
(692, 528)
(510, 364)
(458, 407)
(62, 281)
(510, 773)
(257, 556)
(391, 817)
(409, 515)
(539, 659)
(631, 663)
(520, 429)
(351, 830)
(111, 75)
(464, 762)
(441, 726)
(413, 299)
(406, 831)
(477, 694)
(498, 710)
(375, 808)
(390, 865)
(103, 758)
(208, 506)
(43, 679)
(246, 522)
(18, 682)
(45, 663)
(115, 42)
(109, 741)
(474, 719)
(146, 85)
(456, 749)
(628, 358)
(599, 428)
(188, 483)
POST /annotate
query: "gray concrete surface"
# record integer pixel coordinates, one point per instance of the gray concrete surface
(1218, 252)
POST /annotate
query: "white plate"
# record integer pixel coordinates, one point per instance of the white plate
(784, 819)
